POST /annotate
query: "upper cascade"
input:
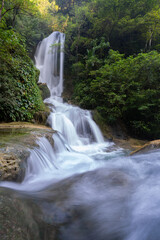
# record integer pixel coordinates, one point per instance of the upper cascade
(75, 124)
(49, 59)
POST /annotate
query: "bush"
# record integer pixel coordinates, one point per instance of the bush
(19, 94)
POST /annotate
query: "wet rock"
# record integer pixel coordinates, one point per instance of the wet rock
(70, 209)
(152, 145)
(22, 218)
(41, 116)
(117, 133)
(16, 219)
(88, 206)
(45, 93)
(85, 206)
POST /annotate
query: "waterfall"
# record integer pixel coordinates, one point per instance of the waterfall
(109, 196)
(49, 60)
(77, 133)
(78, 141)
(76, 125)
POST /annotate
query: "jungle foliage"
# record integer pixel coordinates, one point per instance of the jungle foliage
(125, 89)
(22, 25)
(19, 94)
(112, 55)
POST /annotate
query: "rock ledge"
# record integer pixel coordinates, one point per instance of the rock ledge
(16, 141)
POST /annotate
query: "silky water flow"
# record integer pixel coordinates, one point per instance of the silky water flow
(85, 185)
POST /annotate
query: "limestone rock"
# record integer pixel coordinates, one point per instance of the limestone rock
(9, 166)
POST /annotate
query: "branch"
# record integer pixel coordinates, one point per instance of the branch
(17, 6)
(9, 9)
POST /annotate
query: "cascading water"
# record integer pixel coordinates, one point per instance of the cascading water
(49, 59)
(75, 124)
(86, 191)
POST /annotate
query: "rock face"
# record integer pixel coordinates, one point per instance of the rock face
(147, 147)
(16, 141)
(117, 133)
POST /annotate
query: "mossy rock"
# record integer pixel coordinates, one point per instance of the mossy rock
(116, 131)
(45, 93)
(41, 116)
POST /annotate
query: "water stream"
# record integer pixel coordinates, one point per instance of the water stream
(80, 185)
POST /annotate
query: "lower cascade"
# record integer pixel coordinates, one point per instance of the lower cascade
(84, 187)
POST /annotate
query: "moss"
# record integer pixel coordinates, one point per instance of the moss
(41, 116)
(45, 93)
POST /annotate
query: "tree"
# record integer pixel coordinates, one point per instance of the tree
(125, 89)
(152, 27)
(16, 6)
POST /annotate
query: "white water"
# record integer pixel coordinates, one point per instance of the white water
(119, 201)
(49, 59)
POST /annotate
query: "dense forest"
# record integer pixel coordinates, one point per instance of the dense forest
(112, 58)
